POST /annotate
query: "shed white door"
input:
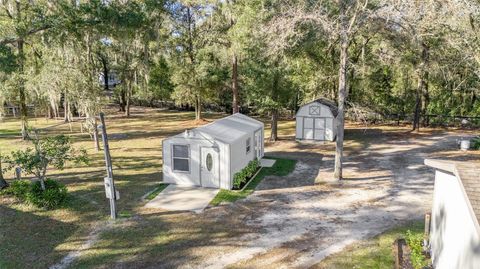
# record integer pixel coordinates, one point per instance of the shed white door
(308, 128)
(209, 168)
(314, 128)
(319, 129)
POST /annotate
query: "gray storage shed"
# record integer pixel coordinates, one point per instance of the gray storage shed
(210, 155)
(317, 120)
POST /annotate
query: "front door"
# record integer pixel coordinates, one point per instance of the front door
(209, 168)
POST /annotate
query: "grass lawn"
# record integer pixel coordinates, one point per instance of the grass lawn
(373, 253)
(35, 238)
(282, 167)
(156, 191)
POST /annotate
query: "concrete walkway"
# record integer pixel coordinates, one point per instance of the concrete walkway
(178, 198)
(267, 162)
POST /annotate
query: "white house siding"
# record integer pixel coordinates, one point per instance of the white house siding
(239, 157)
(454, 239)
(225, 180)
(191, 178)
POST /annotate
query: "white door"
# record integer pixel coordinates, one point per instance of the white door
(307, 128)
(319, 130)
(209, 168)
(314, 128)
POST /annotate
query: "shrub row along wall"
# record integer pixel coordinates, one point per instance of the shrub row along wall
(241, 178)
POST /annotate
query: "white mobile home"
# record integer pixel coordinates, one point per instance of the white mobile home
(317, 120)
(210, 155)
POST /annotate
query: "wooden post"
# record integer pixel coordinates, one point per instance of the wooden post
(426, 234)
(18, 173)
(398, 253)
(109, 182)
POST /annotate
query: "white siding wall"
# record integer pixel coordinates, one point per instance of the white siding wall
(238, 156)
(191, 178)
(299, 127)
(225, 180)
(454, 239)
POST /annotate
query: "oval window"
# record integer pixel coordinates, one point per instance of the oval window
(209, 161)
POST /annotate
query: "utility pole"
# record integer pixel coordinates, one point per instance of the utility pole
(109, 182)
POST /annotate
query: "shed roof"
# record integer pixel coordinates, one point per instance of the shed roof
(329, 103)
(229, 129)
(467, 173)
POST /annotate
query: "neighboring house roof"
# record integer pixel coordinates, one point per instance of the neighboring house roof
(326, 102)
(229, 129)
(469, 174)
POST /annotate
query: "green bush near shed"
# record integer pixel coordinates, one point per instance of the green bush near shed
(246, 173)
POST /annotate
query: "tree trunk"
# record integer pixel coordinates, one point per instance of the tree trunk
(422, 95)
(51, 112)
(128, 97)
(416, 115)
(425, 73)
(198, 108)
(105, 74)
(122, 103)
(3, 183)
(65, 108)
(21, 90)
(274, 132)
(235, 105)
(42, 183)
(342, 93)
(95, 134)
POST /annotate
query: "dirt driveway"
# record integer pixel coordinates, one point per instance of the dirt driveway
(291, 222)
(300, 223)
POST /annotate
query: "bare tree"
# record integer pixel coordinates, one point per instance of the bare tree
(336, 21)
(3, 183)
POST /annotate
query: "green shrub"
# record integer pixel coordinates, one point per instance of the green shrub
(415, 242)
(476, 143)
(246, 173)
(18, 188)
(53, 196)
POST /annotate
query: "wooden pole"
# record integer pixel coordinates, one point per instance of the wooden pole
(108, 164)
(426, 234)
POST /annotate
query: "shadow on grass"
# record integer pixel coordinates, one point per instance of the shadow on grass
(26, 246)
